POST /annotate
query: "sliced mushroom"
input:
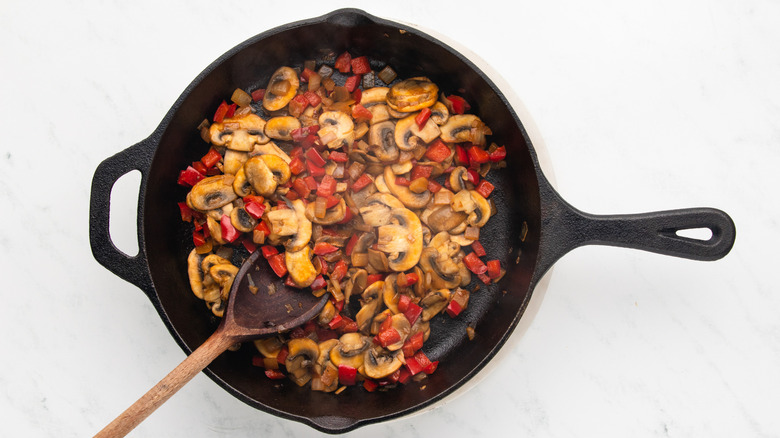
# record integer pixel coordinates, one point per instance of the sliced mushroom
(406, 196)
(480, 215)
(265, 172)
(379, 113)
(217, 307)
(215, 230)
(333, 215)
(282, 222)
(458, 178)
(269, 347)
(233, 161)
(361, 248)
(299, 266)
(412, 95)
(281, 89)
(408, 134)
(433, 303)
(323, 359)
(371, 305)
(336, 129)
(324, 366)
(463, 202)
(379, 362)
(224, 274)
(401, 324)
(350, 350)
(376, 211)
(303, 229)
(381, 186)
(270, 148)
(195, 274)
(390, 293)
(239, 133)
(212, 192)
(242, 220)
(401, 239)
(439, 269)
(303, 354)
(373, 95)
(356, 284)
(381, 139)
(439, 113)
(281, 127)
(464, 128)
(444, 218)
(241, 185)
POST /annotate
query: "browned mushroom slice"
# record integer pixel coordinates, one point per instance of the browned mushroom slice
(356, 284)
(408, 134)
(444, 218)
(480, 215)
(281, 89)
(360, 250)
(401, 239)
(379, 362)
(195, 273)
(371, 305)
(239, 133)
(269, 347)
(303, 229)
(233, 161)
(303, 354)
(281, 127)
(412, 95)
(300, 267)
(336, 129)
(350, 350)
(242, 220)
(212, 192)
(458, 178)
(373, 95)
(379, 113)
(224, 274)
(401, 324)
(464, 128)
(390, 293)
(439, 113)
(377, 208)
(406, 196)
(440, 268)
(326, 374)
(266, 172)
(381, 139)
(241, 185)
(333, 215)
(433, 303)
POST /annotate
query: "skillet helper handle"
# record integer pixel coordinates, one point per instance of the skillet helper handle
(566, 228)
(130, 268)
(215, 345)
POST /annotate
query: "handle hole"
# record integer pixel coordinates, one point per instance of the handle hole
(123, 213)
(703, 234)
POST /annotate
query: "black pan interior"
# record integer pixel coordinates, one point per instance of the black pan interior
(493, 310)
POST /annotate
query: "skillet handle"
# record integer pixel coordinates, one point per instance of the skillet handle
(131, 268)
(565, 228)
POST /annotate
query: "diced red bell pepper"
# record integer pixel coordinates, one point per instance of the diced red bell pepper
(351, 83)
(422, 117)
(297, 166)
(327, 186)
(403, 375)
(198, 239)
(351, 244)
(300, 187)
(360, 65)
(478, 249)
(336, 322)
(339, 305)
(498, 154)
(313, 169)
(222, 110)
(359, 112)
(349, 326)
(278, 265)
(290, 283)
(413, 311)
(211, 158)
(186, 212)
(357, 95)
(306, 74)
(313, 98)
(478, 155)
(331, 201)
(322, 248)
(484, 188)
(438, 151)
(338, 157)
(458, 104)
(422, 359)
(229, 232)
(419, 171)
(484, 278)
(258, 95)
(405, 280)
(339, 271)
(433, 186)
(314, 157)
(347, 215)
(282, 356)
(373, 278)
(412, 344)
(343, 62)
(297, 105)
(189, 177)
(388, 336)
(413, 366)
(403, 303)
(370, 385)
(474, 264)
(263, 228)
(319, 283)
(311, 183)
(255, 209)
(461, 156)
(431, 367)
(249, 245)
(200, 167)
(401, 181)
(268, 251)
(493, 269)
(231, 110)
(472, 176)
(362, 182)
(274, 374)
(453, 309)
(347, 375)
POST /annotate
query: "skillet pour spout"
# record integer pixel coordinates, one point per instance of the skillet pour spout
(532, 228)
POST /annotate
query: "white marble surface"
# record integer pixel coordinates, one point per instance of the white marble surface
(643, 106)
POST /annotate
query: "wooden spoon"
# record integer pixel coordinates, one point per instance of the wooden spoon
(259, 305)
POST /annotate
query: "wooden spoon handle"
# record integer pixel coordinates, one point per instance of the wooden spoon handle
(160, 393)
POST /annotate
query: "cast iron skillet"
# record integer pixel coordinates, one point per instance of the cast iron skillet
(534, 226)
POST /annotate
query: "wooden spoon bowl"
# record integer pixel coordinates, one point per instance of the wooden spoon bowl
(260, 304)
